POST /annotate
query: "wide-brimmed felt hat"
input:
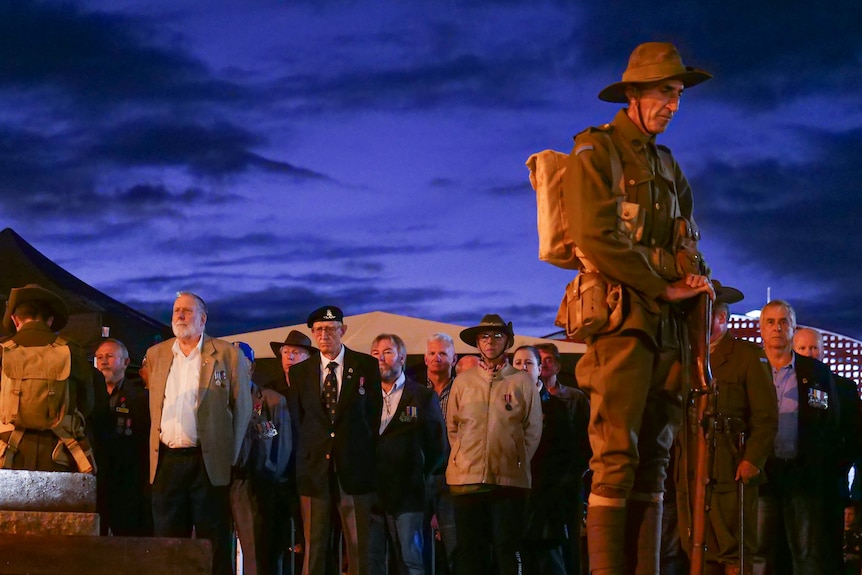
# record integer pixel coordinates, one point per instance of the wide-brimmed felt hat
(726, 294)
(491, 322)
(35, 292)
(651, 62)
(294, 338)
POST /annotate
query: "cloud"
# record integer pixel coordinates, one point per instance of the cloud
(99, 59)
(216, 149)
(763, 57)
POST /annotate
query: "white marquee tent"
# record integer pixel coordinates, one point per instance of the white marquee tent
(363, 328)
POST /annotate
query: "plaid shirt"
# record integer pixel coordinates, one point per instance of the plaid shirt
(443, 396)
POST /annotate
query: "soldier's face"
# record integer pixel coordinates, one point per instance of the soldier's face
(776, 327)
(291, 354)
(658, 102)
(110, 361)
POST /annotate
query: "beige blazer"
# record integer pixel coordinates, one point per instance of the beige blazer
(224, 404)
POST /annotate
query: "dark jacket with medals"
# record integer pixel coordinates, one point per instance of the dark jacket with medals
(410, 449)
(351, 440)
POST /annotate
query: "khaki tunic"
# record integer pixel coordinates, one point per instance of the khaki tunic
(746, 400)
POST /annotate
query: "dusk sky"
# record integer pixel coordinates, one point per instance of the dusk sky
(274, 156)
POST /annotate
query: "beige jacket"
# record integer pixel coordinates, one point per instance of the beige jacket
(224, 404)
(491, 444)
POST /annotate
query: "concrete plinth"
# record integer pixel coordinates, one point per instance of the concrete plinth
(67, 555)
(48, 523)
(47, 491)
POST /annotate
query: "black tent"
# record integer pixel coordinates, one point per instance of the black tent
(90, 310)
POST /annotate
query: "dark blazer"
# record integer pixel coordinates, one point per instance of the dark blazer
(819, 436)
(351, 440)
(410, 450)
(120, 439)
(552, 468)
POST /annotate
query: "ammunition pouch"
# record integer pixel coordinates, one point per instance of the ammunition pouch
(685, 238)
(590, 306)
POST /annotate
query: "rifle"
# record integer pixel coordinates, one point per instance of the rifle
(703, 394)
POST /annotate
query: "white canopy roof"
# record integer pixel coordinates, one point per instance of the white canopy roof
(364, 327)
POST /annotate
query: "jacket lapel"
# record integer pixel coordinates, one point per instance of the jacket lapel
(407, 395)
(208, 367)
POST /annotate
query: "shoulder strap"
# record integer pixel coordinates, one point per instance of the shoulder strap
(617, 174)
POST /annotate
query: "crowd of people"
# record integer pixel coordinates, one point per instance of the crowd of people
(485, 457)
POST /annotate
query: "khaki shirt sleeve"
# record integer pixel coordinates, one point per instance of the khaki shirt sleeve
(763, 406)
(591, 205)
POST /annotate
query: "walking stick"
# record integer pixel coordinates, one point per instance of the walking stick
(741, 509)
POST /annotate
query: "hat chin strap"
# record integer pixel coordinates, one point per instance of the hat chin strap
(641, 124)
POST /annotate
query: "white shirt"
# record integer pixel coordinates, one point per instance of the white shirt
(324, 371)
(179, 414)
(391, 401)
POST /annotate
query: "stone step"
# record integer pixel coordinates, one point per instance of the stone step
(48, 523)
(47, 491)
(71, 555)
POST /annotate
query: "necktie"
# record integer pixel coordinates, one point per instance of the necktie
(330, 390)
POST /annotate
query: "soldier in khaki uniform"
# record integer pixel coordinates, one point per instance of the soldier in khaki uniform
(625, 197)
(745, 404)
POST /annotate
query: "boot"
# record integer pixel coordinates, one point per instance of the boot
(605, 538)
(643, 536)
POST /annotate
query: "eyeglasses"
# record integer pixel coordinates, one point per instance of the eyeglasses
(488, 336)
(328, 330)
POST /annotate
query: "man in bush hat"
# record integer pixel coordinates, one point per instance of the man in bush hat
(339, 405)
(494, 423)
(629, 211)
(34, 358)
(745, 425)
(295, 348)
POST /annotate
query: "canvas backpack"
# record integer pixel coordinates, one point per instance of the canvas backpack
(547, 169)
(34, 386)
(35, 395)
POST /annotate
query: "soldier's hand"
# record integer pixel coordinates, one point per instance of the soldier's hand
(688, 287)
(746, 471)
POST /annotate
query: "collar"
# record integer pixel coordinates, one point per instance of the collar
(791, 365)
(176, 347)
(430, 385)
(630, 133)
(399, 383)
(493, 368)
(339, 359)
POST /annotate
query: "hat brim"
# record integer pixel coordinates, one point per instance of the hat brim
(35, 292)
(728, 295)
(277, 345)
(616, 92)
(470, 334)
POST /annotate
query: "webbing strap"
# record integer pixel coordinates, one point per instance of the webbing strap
(8, 450)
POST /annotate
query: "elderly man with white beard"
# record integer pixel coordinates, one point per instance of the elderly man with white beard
(199, 408)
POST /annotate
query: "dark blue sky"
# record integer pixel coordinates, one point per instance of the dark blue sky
(276, 156)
